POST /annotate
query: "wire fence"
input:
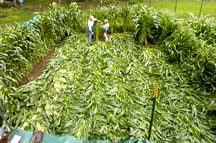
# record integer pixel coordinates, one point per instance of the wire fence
(182, 7)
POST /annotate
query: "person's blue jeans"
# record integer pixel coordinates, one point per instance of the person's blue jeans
(90, 35)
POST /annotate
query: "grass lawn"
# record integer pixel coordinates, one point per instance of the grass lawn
(12, 15)
(183, 7)
(9, 16)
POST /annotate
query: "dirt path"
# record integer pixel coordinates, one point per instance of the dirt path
(38, 68)
(41, 65)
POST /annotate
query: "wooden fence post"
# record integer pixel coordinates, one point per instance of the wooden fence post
(176, 5)
(200, 8)
(14, 2)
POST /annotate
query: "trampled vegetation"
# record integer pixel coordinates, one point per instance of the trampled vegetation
(104, 90)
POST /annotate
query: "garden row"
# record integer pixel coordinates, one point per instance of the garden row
(104, 91)
(82, 83)
(191, 42)
(22, 46)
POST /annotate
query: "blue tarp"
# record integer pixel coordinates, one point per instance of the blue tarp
(50, 138)
(31, 23)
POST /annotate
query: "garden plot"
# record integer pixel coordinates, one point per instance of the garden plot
(105, 90)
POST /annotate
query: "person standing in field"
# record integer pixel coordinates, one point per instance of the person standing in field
(106, 27)
(90, 27)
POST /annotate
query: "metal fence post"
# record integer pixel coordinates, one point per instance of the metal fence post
(153, 110)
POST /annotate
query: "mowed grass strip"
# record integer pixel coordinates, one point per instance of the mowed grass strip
(12, 15)
(184, 7)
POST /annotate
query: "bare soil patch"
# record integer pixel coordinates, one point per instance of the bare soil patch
(2, 16)
(35, 9)
(38, 68)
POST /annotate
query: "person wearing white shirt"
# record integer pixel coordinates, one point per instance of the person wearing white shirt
(106, 27)
(90, 27)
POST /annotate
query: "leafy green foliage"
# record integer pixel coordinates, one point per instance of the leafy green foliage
(20, 48)
(204, 28)
(5, 5)
(193, 54)
(59, 22)
(205, 66)
(119, 19)
(191, 44)
(180, 45)
(152, 26)
(105, 91)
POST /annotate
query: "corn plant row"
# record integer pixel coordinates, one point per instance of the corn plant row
(21, 47)
(150, 26)
(59, 22)
(104, 91)
(190, 43)
(204, 28)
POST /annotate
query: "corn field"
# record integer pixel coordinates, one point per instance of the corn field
(105, 90)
